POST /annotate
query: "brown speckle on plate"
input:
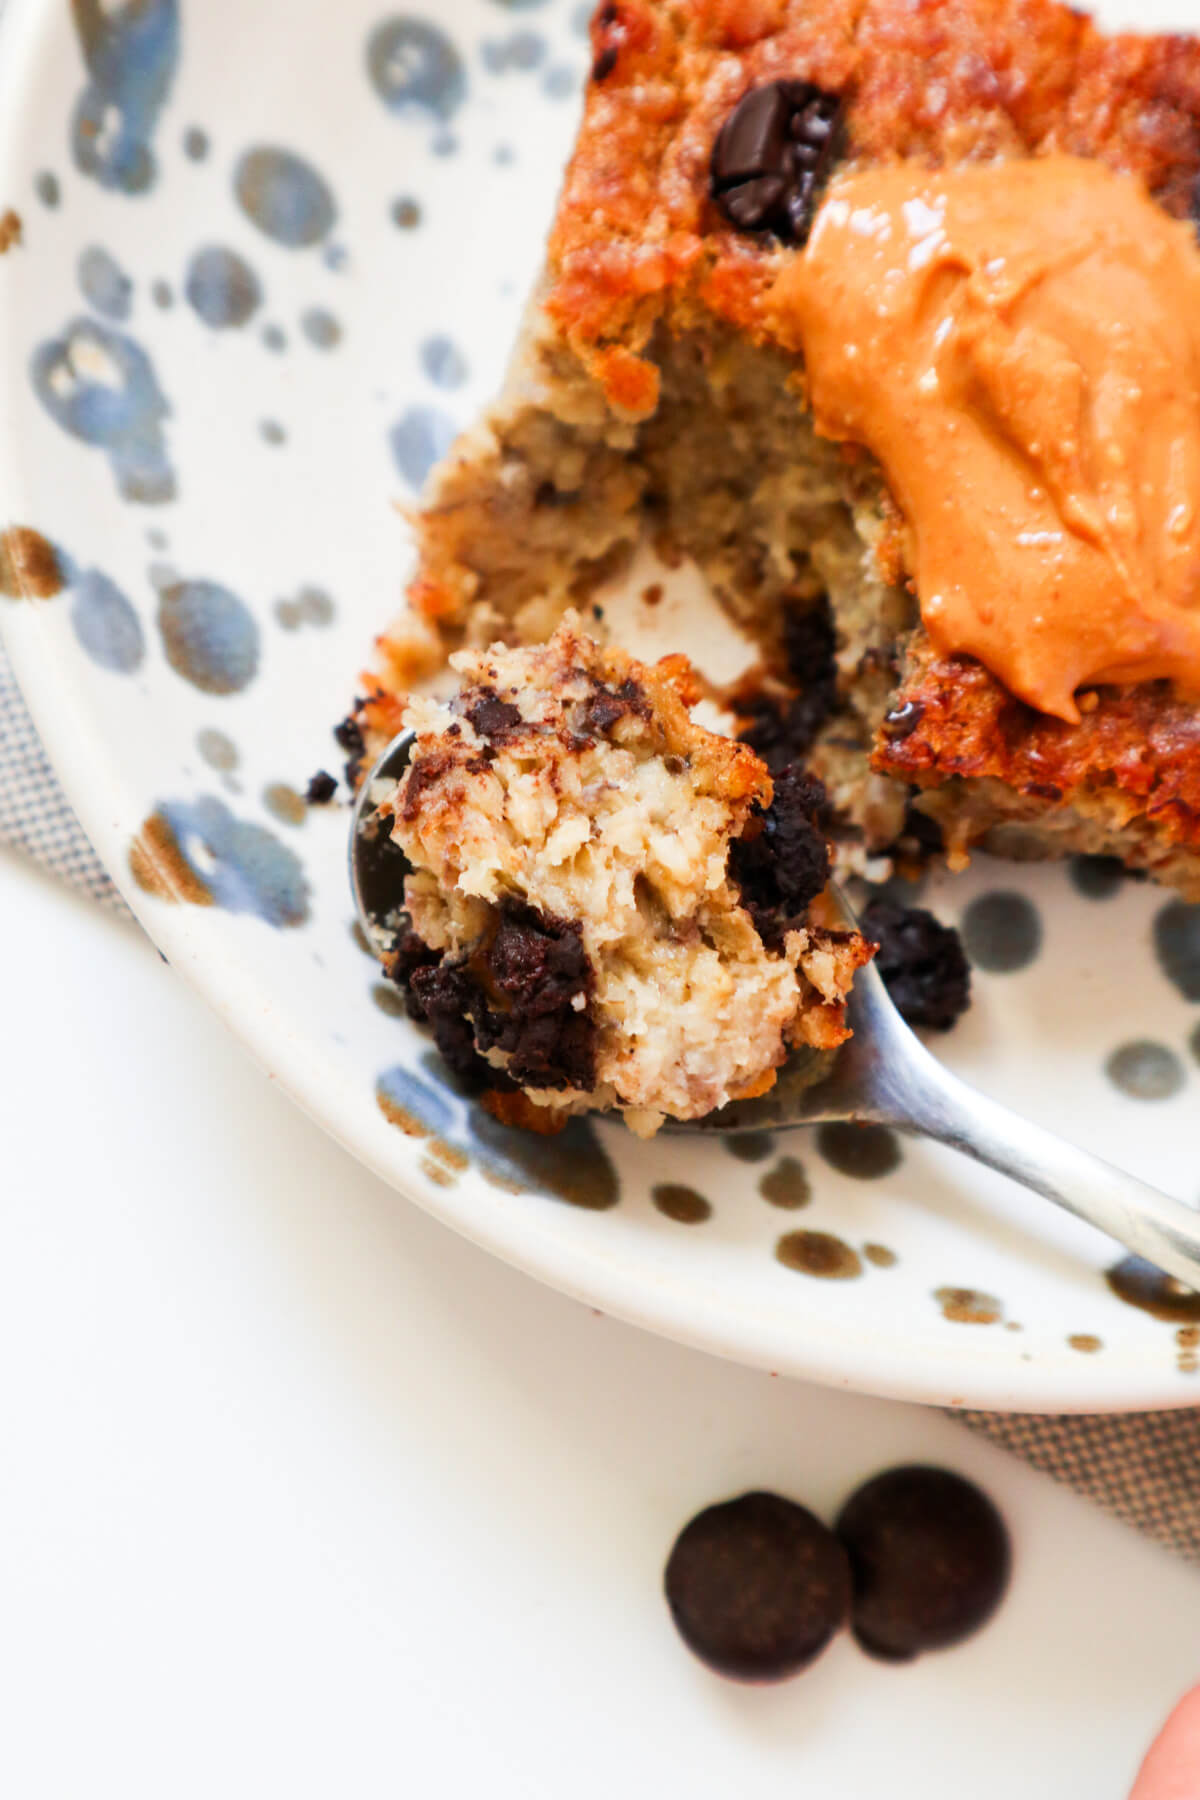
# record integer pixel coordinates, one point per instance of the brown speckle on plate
(29, 565)
(819, 1253)
(160, 868)
(967, 1306)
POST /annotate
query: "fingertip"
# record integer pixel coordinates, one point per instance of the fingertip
(1171, 1770)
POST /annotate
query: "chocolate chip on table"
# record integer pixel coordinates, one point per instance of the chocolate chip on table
(922, 961)
(930, 1557)
(757, 1587)
(772, 155)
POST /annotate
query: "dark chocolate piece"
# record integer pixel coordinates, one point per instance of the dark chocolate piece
(757, 1587)
(493, 718)
(783, 732)
(518, 994)
(922, 961)
(781, 863)
(321, 788)
(931, 1561)
(350, 737)
(773, 155)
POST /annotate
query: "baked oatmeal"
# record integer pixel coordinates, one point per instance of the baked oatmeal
(665, 385)
(611, 907)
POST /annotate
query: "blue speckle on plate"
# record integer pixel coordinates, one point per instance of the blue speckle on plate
(1145, 1071)
(274, 338)
(272, 432)
(1177, 946)
(443, 362)
(522, 51)
(160, 293)
(209, 635)
(1002, 932)
(47, 187)
(414, 66)
(412, 1094)
(321, 328)
(863, 1152)
(419, 440)
(221, 288)
(104, 284)
(284, 196)
(244, 867)
(218, 750)
(130, 52)
(573, 1166)
(106, 624)
(1096, 877)
(195, 143)
(561, 82)
(101, 387)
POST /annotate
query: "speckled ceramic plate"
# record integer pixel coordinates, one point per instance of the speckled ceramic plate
(272, 254)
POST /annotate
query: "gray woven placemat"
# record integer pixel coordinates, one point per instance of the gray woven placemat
(1142, 1467)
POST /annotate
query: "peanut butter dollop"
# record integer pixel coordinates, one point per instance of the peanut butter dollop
(1018, 344)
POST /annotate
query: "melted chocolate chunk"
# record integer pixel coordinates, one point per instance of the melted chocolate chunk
(930, 1557)
(519, 994)
(443, 994)
(410, 955)
(493, 718)
(783, 733)
(773, 155)
(321, 788)
(757, 1587)
(782, 863)
(922, 961)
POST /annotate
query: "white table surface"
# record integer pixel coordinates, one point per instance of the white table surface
(300, 1495)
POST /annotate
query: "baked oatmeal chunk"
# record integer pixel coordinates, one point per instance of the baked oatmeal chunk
(611, 907)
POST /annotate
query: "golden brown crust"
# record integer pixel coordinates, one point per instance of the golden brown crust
(637, 236)
(1139, 746)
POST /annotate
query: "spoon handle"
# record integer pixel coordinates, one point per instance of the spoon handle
(1165, 1231)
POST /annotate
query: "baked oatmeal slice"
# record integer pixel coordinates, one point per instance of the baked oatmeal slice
(652, 395)
(612, 908)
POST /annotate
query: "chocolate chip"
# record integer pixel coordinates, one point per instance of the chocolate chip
(492, 717)
(349, 735)
(606, 705)
(321, 788)
(772, 156)
(757, 1587)
(604, 64)
(930, 1557)
(781, 863)
(922, 961)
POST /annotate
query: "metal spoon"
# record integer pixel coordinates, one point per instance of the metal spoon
(883, 1076)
